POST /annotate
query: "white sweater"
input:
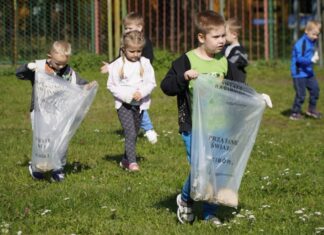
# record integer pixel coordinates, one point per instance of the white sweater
(123, 88)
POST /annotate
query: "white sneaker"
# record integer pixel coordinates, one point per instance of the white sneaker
(185, 211)
(151, 136)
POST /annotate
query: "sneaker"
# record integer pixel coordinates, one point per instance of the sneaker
(58, 175)
(213, 220)
(34, 174)
(133, 167)
(295, 116)
(314, 114)
(129, 166)
(151, 136)
(185, 211)
(124, 164)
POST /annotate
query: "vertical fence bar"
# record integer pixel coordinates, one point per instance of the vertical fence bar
(243, 22)
(172, 25)
(136, 6)
(250, 29)
(109, 31)
(185, 24)
(235, 9)
(266, 30)
(157, 24)
(221, 7)
(117, 26)
(228, 8)
(319, 17)
(178, 26)
(79, 23)
(129, 6)
(192, 24)
(72, 21)
(92, 7)
(199, 5)
(15, 31)
(283, 31)
(124, 9)
(150, 19)
(97, 27)
(258, 29)
(271, 29)
(164, 25)
(143, 8)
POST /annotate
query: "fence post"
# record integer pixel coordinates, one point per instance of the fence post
(221, 7)
(109, 31)
(319, 18)
(97, 27)
(14, 36)
(117, 26)
(266, 30)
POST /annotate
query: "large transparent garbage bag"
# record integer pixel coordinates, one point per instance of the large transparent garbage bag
(59, 108)
(226, 119)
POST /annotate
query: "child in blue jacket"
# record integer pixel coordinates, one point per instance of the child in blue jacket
(304, 55)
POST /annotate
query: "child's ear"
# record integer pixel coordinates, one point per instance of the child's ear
(201, 38)
(49, 55)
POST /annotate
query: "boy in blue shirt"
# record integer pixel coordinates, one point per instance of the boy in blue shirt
(303, 57)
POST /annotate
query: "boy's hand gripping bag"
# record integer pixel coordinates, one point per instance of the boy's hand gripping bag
(59, 110)
(226, 119)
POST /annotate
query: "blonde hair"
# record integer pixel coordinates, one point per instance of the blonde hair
(61, 47)
(233, 25)
(134, 18)
(132, 37)
(208, 20)
(312, 24)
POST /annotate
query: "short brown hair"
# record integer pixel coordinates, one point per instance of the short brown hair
(312, 24)
(134, 18)
(208, 20)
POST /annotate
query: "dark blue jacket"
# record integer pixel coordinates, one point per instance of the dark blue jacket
(302, 53)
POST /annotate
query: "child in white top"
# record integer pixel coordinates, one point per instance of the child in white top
(131, 81)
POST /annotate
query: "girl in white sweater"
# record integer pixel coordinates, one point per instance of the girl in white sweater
(131, 81)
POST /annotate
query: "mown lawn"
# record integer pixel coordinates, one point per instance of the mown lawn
(281, 192)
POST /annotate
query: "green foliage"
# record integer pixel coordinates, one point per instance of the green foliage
(282, 187)
(86, 61)
(163, 59)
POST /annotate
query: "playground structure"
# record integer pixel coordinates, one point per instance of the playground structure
(27, 27)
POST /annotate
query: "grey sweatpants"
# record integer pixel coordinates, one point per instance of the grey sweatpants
(130, 119)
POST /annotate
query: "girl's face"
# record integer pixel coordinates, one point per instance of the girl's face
(214, 41)
(133, 52)
(133, 27)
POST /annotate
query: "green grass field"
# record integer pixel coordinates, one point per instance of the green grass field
(282, 189)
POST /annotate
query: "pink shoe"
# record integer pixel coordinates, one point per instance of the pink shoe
(133, 167)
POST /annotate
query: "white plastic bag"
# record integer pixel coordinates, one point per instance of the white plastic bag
(59, 108)
(226, 118)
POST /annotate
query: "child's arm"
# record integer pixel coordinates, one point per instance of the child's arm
(174, 81)
(149, 79)
(26, 72)
(302, 58)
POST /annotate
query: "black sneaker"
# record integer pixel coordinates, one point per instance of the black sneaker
(34, 174)
(58, 175)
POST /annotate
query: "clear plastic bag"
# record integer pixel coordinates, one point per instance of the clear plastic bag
(59, 108)
(226, 119)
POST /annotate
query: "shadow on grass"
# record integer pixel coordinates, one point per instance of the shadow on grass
(118, 157)
(286, 112)
(75, 167)
(168, 203)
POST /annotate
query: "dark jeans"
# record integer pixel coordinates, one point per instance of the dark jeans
(300, 85)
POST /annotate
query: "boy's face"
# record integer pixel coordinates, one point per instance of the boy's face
(133, 52)
(313, 33)
(133, 27)
(214, 41)
(57, 61)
